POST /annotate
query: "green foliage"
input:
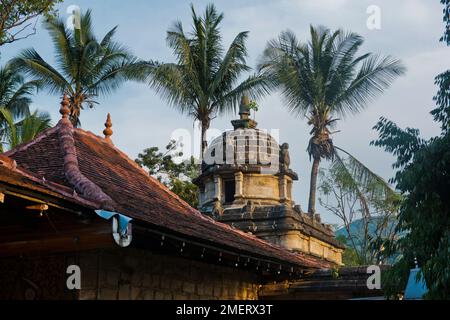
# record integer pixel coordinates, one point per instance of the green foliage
(176, 176)
(14, 91)
(85, 67)
(253, 105)
(14, 132)
(323, 79)
(17, 125)
(365, 205)
(16, 17)
(204, 80)
(446, 18)
(423, 177)
(424, 180)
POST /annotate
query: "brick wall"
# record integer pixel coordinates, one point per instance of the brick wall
(134, 274)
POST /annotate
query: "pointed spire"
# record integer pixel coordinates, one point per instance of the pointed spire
(64, 110)
(244, 111)
(244, 121)
(108, 131)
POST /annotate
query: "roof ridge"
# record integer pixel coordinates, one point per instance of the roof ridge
(72, 170)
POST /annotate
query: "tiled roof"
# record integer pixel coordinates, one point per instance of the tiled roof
(102, 174)
(22, 179)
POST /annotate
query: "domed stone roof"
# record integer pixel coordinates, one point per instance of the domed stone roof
(243, 146)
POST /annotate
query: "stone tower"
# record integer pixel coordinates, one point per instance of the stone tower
(246, 182)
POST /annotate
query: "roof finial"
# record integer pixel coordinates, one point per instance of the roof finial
(244, 121)
(108, 132)
(64, 110)
(244, 110)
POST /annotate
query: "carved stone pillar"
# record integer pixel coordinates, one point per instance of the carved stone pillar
(283, 188)
(217, 209)
(218, 189)
(239, 181)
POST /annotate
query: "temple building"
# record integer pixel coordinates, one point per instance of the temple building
(246, 182)
(71, 199)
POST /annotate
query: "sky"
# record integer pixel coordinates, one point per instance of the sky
(409, 30)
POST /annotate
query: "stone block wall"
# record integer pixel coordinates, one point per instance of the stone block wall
(122, 274)
(295, 240)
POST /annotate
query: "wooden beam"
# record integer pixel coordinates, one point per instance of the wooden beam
(38, 207)
(56, 244)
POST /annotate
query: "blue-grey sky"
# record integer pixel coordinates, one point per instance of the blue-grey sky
(410, 30)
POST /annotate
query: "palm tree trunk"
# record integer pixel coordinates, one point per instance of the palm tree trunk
(203, 141)
(313, 186)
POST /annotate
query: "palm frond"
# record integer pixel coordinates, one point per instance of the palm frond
(375, 75)
(85, 68)
(15, 93)
(14, 132)
(232, 65)
(63, 45)
(32, 64)
(365, 177)
(255, 87)
(8, 131)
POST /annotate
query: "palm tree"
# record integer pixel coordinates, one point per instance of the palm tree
(85, 67)
(324, 79)
(14, 91)
(203, 81)
(14, 132)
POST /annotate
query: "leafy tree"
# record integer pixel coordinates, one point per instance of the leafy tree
(423, 177)
(203, 81)
(323, 79)
(176, 176)
(14, 132)
(86, 67)
(17, 17)
(366, 211)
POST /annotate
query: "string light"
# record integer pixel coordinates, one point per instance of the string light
(203, 253)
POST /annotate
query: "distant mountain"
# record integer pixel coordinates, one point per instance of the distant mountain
(357, 228)
(357, 231)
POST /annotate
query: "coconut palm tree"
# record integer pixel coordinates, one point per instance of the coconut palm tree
(204, 80)
(14, 132)
(14, 91)
(85, 67)
(324, 79)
